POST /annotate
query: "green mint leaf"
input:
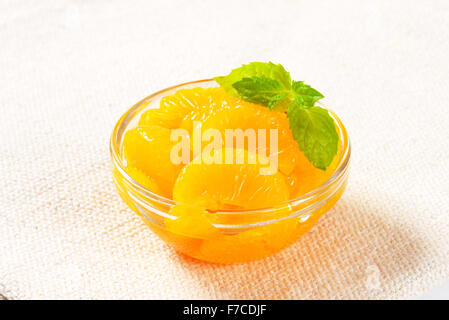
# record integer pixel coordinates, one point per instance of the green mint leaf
(314, 131)
(265, 91)
(254, 69)
(305, 95)
(270, 85)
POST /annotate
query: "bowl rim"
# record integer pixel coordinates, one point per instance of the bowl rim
(120, 127)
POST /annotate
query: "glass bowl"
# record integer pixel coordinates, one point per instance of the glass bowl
(243, 235)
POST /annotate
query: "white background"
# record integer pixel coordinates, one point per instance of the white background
(69, 69)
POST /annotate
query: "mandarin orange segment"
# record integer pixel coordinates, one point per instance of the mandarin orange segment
(143, 179)
(180, 109)
(254, 242)
(191, 221)
(162, 118)
(250, 245)
(305, 177)
(245, 115)
(148, 149)
(220, 185)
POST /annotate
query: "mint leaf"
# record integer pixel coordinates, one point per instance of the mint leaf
(314, 131)
(305, 95)
(270, 85)
(254, 69)
(261, 90)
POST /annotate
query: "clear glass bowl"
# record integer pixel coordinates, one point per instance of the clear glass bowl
(243, 235)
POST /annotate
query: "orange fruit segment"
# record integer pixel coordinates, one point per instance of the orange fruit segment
(162, 118)
(228, 186)
(245, 115)
(180, 109)
(305, 177)
(143, 179)
(191, 221)
(250, 245)
(148, 149)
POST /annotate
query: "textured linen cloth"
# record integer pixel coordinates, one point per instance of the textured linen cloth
(69, 69)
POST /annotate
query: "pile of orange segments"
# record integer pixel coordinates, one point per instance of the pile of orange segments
(200, 188)
(147, 149)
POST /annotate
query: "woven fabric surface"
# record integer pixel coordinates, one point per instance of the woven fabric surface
(69, 69)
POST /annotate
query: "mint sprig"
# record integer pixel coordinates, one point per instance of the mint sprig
(270, 85)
